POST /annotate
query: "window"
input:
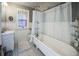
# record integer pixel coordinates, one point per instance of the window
(22, 23)
(22, 20)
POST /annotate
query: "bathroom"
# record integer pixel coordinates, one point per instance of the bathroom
(40, 28)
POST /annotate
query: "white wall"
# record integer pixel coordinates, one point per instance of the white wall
(11, 11)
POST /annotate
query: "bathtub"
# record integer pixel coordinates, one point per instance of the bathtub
(53, 47)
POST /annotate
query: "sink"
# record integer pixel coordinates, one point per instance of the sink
(7, 32)
(8, 40)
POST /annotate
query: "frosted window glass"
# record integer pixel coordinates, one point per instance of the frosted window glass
(22, 21)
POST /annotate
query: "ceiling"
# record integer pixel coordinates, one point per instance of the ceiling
(38, 5)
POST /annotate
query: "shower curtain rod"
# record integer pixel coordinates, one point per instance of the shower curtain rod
(55, 6)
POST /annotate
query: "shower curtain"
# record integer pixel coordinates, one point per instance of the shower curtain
(57, 22)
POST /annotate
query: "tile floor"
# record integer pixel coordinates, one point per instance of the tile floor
(23, 47)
